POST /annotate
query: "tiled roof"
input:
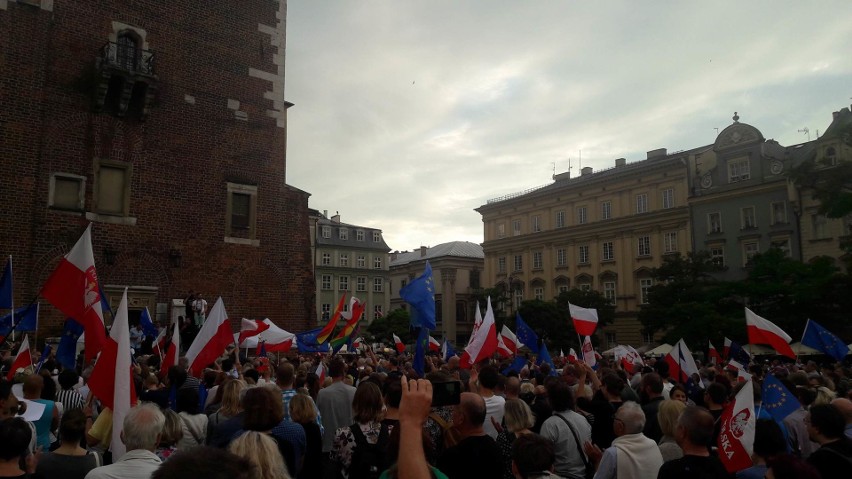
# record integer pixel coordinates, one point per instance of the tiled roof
(459, 249)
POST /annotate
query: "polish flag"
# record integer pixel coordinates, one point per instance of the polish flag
(483, 340)
(510, 340)
(503, 349)
(585, 320)
(572, 356)
(761, 331)
(400, 346)
(249, 328)
(211, 341)
(73, 289)
(434, 345)
(320, 372)
(111, 379)
(24, 359)
(172, 353)
(276, 339)
(590, 357)
(726, 349)
(159, 344)
(282, 346)
(357, 343)
(736, 436)
(681, 364)
(714, 356)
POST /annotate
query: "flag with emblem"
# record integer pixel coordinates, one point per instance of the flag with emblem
(736, 435)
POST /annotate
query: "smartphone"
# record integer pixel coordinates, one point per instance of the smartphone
(446, 393)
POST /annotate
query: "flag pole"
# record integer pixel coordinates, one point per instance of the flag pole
(12, 288)
(803, 338)
(3, 339)
(38, 307)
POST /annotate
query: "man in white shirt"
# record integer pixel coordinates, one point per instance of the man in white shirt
(199, 306)
(494, 404)
(142, 427)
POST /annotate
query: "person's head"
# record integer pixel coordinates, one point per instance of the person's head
(469, 413)
(207, 462)
(231, 394)
(142, 427)
(33, 385)
(367, 404)
(716, 394)
(302, 409)
(48, 391)
(845, 407)
(768, 439)
(667, 415)
(825, 423)
(787, 466)
(392, 393)
(285, 375)
(532, 455)
(9, 404)
(488, 377)
(176, 376)
(560, 394)
(678, 393)
(172, 429)
(613, 385)
(187, 401)
(68, 378)
(629, 419)
(694, 427)
(262, 451)
(336, 369)
(15, 437)
(72, 427)
(652, 385)
(517, 415)
(513, 387)
(263, 407)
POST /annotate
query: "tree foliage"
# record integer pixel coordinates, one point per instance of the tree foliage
(395, 322)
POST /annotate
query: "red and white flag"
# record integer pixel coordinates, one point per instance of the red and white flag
(111, 380)
(629, 357)
(23, 359)
(589, 354)
(572, 356)
(714, 356)
(503, 349)
(681, 363)
(172, 353)
(483, 340)
(400, 346)
(736, 436)
(726, 348)
(276, 339)
(762, 331)
(434, 345)
(358, 342)
(510, 340)
(250, 328)
(585, 319)
(211, 341)
(320, 372)
(159, 344)
(73, 289)
(477, 321)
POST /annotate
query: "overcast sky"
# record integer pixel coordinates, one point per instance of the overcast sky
(410, 114)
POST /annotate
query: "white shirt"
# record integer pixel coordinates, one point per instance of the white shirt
(135, 464)
(494, 407)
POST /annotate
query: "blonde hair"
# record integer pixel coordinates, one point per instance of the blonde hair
(527, 388)
(172, 429)
(668, 414)
(518, 415)
(302, 409)
(231, 393)
(262, 451)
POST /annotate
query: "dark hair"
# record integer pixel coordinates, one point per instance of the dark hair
(662, 368)
(828, 420)
(488, 377)
(654, 382)
(264, 409)
(285, 373)
(253, 374)
(613, 384)
(177, 376)
(227, 364)
(73, 425)
(718, 392)
(787, 466)
(393, 393)
(337, 368)
(210, 378)
(15, 436)
(532, 453)
(207, 462)
(367, 403)
(698, 424)
(561, 396)
(187, 401)
(68, 378)
(768, 439)
(49, 390)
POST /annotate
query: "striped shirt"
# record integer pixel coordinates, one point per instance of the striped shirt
(70, 399)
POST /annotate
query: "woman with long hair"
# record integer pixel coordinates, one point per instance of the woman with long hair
(302, 412)
(367, 411)
(193, 423)
(262, 451)
(231, 394)
(519, 419)
(172, 433)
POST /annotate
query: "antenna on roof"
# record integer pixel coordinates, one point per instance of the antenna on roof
(553, 163)
(806, 131)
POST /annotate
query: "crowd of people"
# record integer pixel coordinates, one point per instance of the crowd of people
(372, 416)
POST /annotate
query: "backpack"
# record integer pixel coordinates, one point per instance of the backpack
(450, 434)
(369, 460)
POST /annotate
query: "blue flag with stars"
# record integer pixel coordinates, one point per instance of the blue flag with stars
(525, 334)
(66, 352)
(147, 325)
(544, 358)
(26, 318)
(778, 400)
(307, 342)
(420, 294)
(824, 340)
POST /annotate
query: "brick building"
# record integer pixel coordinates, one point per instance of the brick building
(164, 125)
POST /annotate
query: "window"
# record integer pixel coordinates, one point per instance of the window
(377, 311)
(641, 203)
(378, 285)
(820, 226)
(668, 198)
(747, 216)
(516, 227)
(326, 232)
(644, 286)
(359, 235)
(738, 170)
(501, 230)
(474, 279)
(344, 260)
(537, 262)
(519, 262)
(750, 248)
(241, 211)
(343, 234)
(536, 224)
(644, 246)
(779, 212)
(561, 257)
(361, 283)
(609, 291)
(585, 286)
(610, 340)
(583, 257)
(326, 281)
(361, 261)
(608, 251)
(326, 311)
(519, 298)
(67, 192)
(343, 283)
(670, 242)
(126, 55)
(562, 288)
(377, 262)
(538, 293)
(501, 264)
(326, 259)
(714, 222)
(606, 210)
(112, 188)
(581, 215)
(717, 255)
(560, 219)
(377, 237)
(783, 244)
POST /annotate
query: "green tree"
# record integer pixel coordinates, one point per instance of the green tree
(395, 322)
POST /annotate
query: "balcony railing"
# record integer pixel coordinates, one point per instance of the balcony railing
(128, 58)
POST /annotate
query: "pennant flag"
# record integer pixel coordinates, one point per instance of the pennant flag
(307, 342)
(590, 357)
(777, 399)
(447, 350)
(502, 349)
(420, 294)
(320, 372)
(26, 317)
(681, 364)
(73, 288)
(250, 328)
(736, 354)
(434, 345)
(762, 331)
(148, 327)
(215, 335)
(585, 319)
(66, 352)
(526, 335)
(44, 355)
(23, 359)
(736, 437)
(714, 356)
(6, 300)
(111, 380)
(172, 353)
(419, 363)
(400, 346)
(519, 363)
(572, 356)
(510, 340)
(483, 340)
(823, 340)
(726, 349)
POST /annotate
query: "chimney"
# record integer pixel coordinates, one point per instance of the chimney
(336, 218)
(620, 162)
(587, 170)
(657, 153)
(423, 250)
(834, 115)
(394, 255)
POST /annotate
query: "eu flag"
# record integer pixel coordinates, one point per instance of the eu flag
(420, 294)
(66, 353)
(43, 358)
(6, 286)
(544, 358)
(307, 342)
(448, 350)
(823, 340)
(525, 334)
(777, 399)
(516, 365)
(147, 325)
(26, 317)
(419, 363)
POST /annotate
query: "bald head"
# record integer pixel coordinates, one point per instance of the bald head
(473, 407)
(845, 407)
(513, 387)
(33, 384)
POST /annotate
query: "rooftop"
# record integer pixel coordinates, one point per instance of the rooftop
(458, 249)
